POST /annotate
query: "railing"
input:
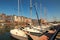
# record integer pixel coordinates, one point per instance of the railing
(53, 37)
(57, 28)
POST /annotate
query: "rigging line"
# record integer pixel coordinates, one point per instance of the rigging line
(37, 13)
(38, 17)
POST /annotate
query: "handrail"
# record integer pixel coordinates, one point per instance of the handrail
(53, 37)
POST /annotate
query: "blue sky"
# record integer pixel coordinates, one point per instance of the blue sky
(9, 7)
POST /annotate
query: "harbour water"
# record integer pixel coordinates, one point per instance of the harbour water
(6, 36)
(5, 33)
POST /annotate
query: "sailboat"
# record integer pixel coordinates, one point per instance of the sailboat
(17, 33)
(35, 29)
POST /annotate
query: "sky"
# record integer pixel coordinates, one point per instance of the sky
(49, 9)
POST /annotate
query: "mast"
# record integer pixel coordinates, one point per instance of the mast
(45, 10)
(31, 9)
(45, 13)
(18, 12)
(18, 8)
(40, 10)
(40, 16)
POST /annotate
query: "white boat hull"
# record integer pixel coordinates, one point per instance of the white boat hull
(18, 34)
(19, 37)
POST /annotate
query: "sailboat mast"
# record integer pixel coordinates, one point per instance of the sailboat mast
(45, 13)
(40, 16)
(40, 10)
(31, 10)
(18, 12)
(18, 8)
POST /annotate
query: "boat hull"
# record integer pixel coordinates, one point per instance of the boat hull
(18, 34)
(19, 37)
